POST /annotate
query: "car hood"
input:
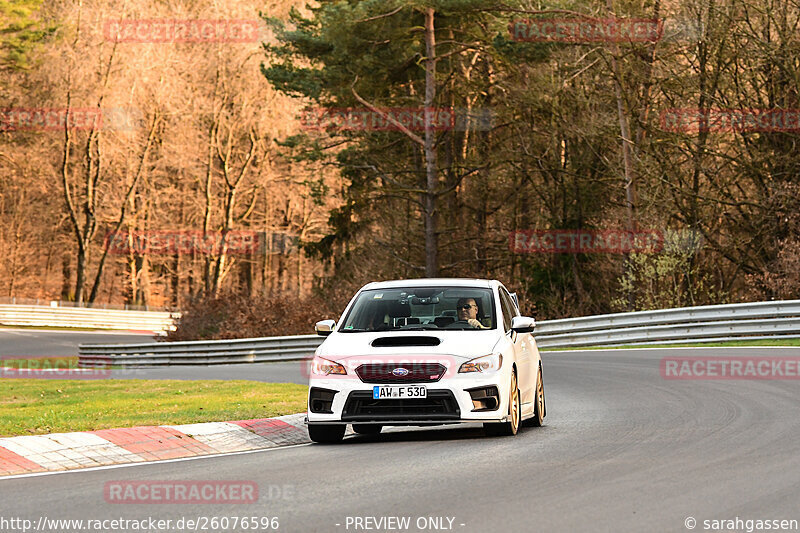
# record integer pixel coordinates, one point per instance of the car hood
(457, 344)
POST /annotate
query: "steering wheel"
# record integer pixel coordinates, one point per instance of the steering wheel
(459, 324)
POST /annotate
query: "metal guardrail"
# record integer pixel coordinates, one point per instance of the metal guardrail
(760, 320)
(262, 350)
(5, 300)
(686, 324)
(82, 317)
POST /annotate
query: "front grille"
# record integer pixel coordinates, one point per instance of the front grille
(439, 405)
(417, 372)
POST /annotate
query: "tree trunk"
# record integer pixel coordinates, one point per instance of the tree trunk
(175, 281)
(207, 263)
(132, 271)
(123, 212)
(219, 271)
(80, 270)
(431, 235)
(14, 257)
(66, 277)
(627, 159)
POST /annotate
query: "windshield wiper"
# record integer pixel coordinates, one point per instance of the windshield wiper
(353, 330)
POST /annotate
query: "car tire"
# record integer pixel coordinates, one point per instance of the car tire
(539, 410)
(367, 429)
(515, 411)
(326, 433)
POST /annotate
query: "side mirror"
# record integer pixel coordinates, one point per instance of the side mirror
(523, 324)
(324, 327)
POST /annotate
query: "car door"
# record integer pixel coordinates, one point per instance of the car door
(523, 354)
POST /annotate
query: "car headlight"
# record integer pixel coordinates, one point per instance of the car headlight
(486, 363)
(324, 367)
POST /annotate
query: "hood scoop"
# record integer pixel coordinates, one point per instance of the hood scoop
(391, 342)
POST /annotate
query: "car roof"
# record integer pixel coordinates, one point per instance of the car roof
(431, 282)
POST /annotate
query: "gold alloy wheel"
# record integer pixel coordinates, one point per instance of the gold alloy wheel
(537, 420)
(540, 395)
(514, 402)
(512, 423)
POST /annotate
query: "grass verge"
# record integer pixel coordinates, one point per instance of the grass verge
(35, 406)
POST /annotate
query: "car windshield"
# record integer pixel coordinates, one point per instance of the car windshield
(421, 308)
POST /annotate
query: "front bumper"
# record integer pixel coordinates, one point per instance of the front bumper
(449, 400)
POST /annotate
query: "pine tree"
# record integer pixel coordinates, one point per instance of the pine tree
(379, 57)
(20, 32)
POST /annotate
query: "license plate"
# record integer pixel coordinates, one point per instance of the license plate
(393, 393)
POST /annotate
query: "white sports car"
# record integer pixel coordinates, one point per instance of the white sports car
(426, 352)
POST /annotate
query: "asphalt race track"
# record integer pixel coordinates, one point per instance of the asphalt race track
(58, 343)
(622, 450)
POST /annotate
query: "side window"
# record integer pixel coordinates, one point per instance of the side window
(508, 309)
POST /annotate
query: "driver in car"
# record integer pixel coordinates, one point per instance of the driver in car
(468, 312)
